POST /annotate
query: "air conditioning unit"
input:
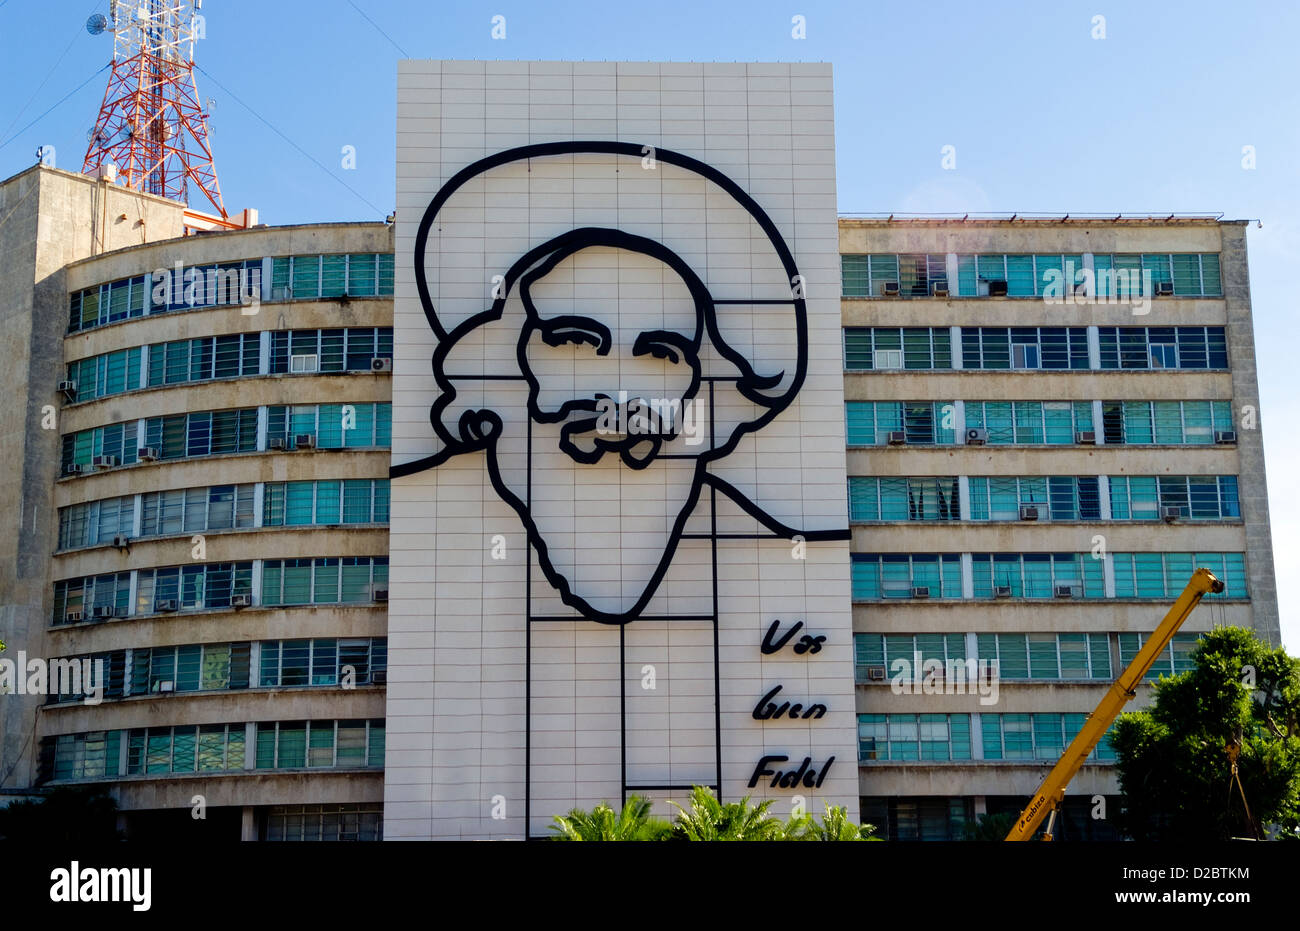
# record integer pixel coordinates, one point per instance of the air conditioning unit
(68, 389)
(304, 364)
(1086, 438)
(165, 604)
(381, 364)
(920, 591)
(876, 673)
(896, 438)
(1028, 512)
(304, 441)
(104, 462)
(379, 593)
(242, 600)
(102, 612)
(1225, 436)
(379, 677)
(977, 436)
(122, 542)
(889, 289)
(73, 617)
(72, 468)
(1170, 513)
(1164, 289)
(997, 288)
(1066, 591)
(165, 685)
(939, 288)
(275, 442)
(149, 453)
(1001, 591)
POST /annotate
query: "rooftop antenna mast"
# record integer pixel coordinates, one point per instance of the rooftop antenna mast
(152, 125)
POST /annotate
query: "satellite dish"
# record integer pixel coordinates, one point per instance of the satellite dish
(96, 24)
(96, 137)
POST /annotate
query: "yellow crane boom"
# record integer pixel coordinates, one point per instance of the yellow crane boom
(1051, 793)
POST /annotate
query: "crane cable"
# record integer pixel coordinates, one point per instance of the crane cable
(1234, 750)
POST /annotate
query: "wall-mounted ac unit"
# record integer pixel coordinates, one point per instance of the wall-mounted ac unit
(379, 593)
(997, 288)
(149, 454)
(73, 617)
(242, 600)
(68, 389)
(165, 685)
(72, 468)
(977, 436)
(304, 441)
(1066, 591)
(1164, 289)
(876, 673)
(1225, 436)
(379, 677)
(920, 591)
(1029, 512)
(275, 442)
(165, 604)
(1086, 438)
(102, 612)
(122, 542)
(939, 288)
(896, 438)
(889, 289)
(104, 462)
(1001, 591)
(1170, 513)
(381, 364)
(304, 364)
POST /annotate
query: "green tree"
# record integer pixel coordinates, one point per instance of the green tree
(634, 822)
(710, 819)
(835, 826)
(991, 827)
(1242, 699)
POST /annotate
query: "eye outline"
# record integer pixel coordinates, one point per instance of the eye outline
(576, 330)
(661, 345)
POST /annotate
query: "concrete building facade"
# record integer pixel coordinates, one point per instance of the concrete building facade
(1046, 423)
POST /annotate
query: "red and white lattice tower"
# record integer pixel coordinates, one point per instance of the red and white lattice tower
(152, 125)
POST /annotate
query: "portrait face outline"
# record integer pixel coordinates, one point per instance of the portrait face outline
(481, 429)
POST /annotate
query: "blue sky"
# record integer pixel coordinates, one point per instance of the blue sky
(1044, 117)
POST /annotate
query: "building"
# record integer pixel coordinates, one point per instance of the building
(201, 459)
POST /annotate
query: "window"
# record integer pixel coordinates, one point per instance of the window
(1198, 497)
(108, 303)
(323, 661)
(346, 580)
(320, 744)
(96, 596)
(196, 510)
(349, 501)
(300, 277)
(1047, 655)
(1054, 423)
(107, 374)
(335, 426)
(919, 818)
(191, 587)
(877, 423)
(93, 755)
(907, 737)
(1165, 575)
(343, 350)
(1057, 497)
(96, 522)
(1172, 423)
(885, 649)
(867, 348)
(1174, 660)
(896, 575)
(1037, 575)
(186, 749)
(872, 499)
(1036, 736)
(1183, 347)
(1024, 347)
(1119, 276)
(73, 678)
(913, 275)
(195, 667)
(1025, 275)
(204, 359)
(343, 822)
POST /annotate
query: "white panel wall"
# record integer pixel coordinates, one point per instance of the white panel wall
(467, 752)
